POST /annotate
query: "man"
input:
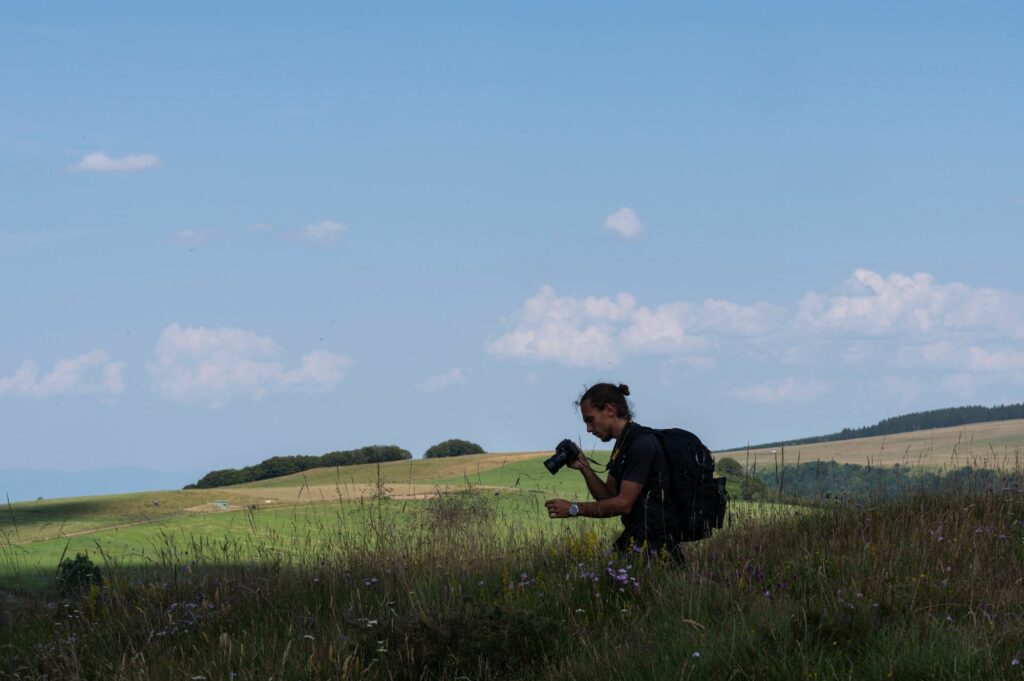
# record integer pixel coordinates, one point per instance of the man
(636, 488)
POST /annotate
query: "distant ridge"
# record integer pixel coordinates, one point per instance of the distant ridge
(276, 466)
(907, 423)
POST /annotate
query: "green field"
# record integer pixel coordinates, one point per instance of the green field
(450, 569)
(128, 528)
(283, 513)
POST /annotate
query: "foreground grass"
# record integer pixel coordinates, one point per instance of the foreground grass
(926, 587)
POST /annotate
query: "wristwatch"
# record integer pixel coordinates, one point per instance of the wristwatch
(574, 510)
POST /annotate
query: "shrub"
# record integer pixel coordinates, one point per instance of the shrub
(277, 466)
(453, 447)
(742, 485)
(77, 575)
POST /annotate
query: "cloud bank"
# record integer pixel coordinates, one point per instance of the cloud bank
(91, 373)
(897, 323)
(212, 365)
(600, 332)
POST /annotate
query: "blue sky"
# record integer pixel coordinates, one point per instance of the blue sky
(233, 232)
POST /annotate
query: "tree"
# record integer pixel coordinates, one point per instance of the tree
(453, 447)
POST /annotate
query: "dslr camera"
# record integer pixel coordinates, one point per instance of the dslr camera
(565, 452)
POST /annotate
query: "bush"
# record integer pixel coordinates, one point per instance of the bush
(742, 485)
(77, 575)
(454, 447)
(277, 466)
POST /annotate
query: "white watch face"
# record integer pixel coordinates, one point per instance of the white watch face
(574, 509)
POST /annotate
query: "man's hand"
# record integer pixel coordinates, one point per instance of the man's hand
(580, 462)
(558, 508)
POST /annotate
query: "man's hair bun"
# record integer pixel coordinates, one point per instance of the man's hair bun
(624, 389)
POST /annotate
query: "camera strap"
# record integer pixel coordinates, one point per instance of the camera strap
(616, 450)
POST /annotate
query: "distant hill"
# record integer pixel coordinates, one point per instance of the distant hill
(277, 466)
(909, 423)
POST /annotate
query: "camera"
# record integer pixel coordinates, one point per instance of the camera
(565, 452)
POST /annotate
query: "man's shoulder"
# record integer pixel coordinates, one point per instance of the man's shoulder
(644, 439)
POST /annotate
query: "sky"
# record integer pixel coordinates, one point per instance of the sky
(235, 231)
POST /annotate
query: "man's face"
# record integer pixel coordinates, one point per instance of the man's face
(599, 421)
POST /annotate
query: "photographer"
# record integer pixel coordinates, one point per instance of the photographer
(638, 476)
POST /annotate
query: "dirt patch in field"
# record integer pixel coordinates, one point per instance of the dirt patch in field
(348, 492)
(213, 508)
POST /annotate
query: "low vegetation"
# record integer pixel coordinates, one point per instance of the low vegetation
(454, 447)
(277, 466)
(924, 586)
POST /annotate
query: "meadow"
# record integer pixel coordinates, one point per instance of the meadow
(996, 444)
(449, 569)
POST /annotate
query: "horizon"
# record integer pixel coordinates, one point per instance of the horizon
(32, 483)
(233, 234)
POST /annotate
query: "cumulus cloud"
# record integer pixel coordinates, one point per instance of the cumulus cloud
(624, 222)
(100, 162)
(948, 336)
(786, 390)
(90, 373)
(900, 304)
(598, 332)
(214, 364)
(325, 230)
(453, 376)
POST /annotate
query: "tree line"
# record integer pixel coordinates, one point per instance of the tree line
(908, 423)
(276, 466)
(828, 480)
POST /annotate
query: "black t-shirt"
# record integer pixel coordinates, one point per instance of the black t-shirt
(641, 459)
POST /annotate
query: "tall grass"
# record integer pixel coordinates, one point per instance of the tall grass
(928, 586)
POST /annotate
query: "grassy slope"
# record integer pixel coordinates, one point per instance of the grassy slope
(33, 535)
(998, 444)
(922, 588)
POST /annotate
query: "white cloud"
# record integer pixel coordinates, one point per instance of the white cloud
(599, 332)
(786, 390)
(100, 162)
(91, 373)
(453, 376)
(932, 335)
(214, 364)
(624, 222)
(325, 230)
(966, 357)
(911, 305)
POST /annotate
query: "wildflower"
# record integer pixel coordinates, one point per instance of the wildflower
(1015, 662)
(579, 610)
(696, 653)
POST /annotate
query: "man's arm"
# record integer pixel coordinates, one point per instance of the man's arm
(599, 489)
(619, 504)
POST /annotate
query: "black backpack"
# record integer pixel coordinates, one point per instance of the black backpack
(699, 496)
